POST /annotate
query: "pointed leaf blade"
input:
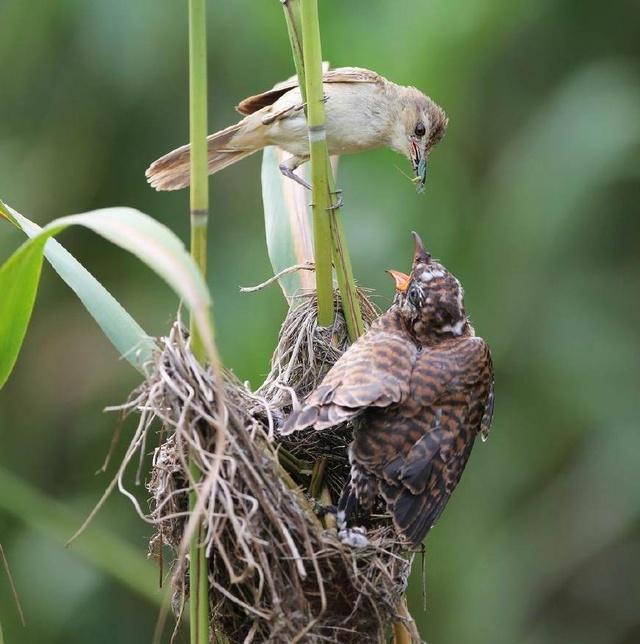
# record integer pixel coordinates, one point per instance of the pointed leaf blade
(287, 220)
(130, 229)
(19, 278)
(127, 336)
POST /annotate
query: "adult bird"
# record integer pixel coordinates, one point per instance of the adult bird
(363, 110)
(418, 389)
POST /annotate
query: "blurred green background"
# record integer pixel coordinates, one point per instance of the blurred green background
(532, 201)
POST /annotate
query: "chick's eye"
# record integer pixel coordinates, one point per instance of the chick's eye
(420, 129)
(414, 295)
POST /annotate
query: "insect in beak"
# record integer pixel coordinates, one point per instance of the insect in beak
(419, 164)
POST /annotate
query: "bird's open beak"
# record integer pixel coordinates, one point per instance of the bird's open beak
(402, 280)
(419, 164)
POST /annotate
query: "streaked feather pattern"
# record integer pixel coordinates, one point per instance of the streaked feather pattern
(418, 388)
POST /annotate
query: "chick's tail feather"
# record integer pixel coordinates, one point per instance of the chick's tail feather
(226, 147)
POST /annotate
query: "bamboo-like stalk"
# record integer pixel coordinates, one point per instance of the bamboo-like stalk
(319, 164)
(405, 632)
(344, 271)
(293, 19)
(339, 250)
(199, 203)
(401, 634)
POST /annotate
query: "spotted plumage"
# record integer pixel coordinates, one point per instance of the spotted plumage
(418, 388)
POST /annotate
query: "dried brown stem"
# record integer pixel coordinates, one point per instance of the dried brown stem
(277, 276)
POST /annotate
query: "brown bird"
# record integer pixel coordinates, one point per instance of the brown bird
(418, 388)
(363, 111)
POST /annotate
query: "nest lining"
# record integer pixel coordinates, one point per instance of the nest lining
(276, 573)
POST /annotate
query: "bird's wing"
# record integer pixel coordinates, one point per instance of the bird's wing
(456, 388)
(340, 75)
(487, 416)
(374, 372)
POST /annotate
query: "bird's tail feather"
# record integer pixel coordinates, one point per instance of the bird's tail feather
(172, 171)
(414, 515)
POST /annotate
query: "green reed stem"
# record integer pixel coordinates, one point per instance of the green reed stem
(199, 195)
(344, 271)
(294, 29)
(318, 152)
(302, 20)
(199, 202)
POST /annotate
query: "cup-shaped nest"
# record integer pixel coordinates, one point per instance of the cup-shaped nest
(277, 571)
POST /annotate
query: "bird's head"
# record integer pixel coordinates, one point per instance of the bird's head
(430, 298)
(420, 125)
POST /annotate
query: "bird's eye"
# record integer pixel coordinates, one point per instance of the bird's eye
(414, 295)
(420, 129)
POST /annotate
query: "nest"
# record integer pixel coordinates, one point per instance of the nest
(277, 570)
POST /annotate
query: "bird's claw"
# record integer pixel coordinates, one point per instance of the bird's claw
(289, 173)
(336, 204)
(354, 537)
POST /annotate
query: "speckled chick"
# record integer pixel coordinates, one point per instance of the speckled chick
(418, 389)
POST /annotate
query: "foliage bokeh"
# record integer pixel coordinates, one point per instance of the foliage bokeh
(531, 201)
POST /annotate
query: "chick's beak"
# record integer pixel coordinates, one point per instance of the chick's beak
(402, 280)
(421, 254)
(419, 164)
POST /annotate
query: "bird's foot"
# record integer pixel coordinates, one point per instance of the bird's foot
(355, 537)
(290, 174)
(336, 200)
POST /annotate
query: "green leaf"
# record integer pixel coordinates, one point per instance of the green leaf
(130, 229)
(127, 336)
(287, 219)
(19, 277)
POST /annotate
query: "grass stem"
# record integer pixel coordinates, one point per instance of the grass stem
(293, 20)
(312, 55)
(344, 272)
(302, 21)
(199, 204)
